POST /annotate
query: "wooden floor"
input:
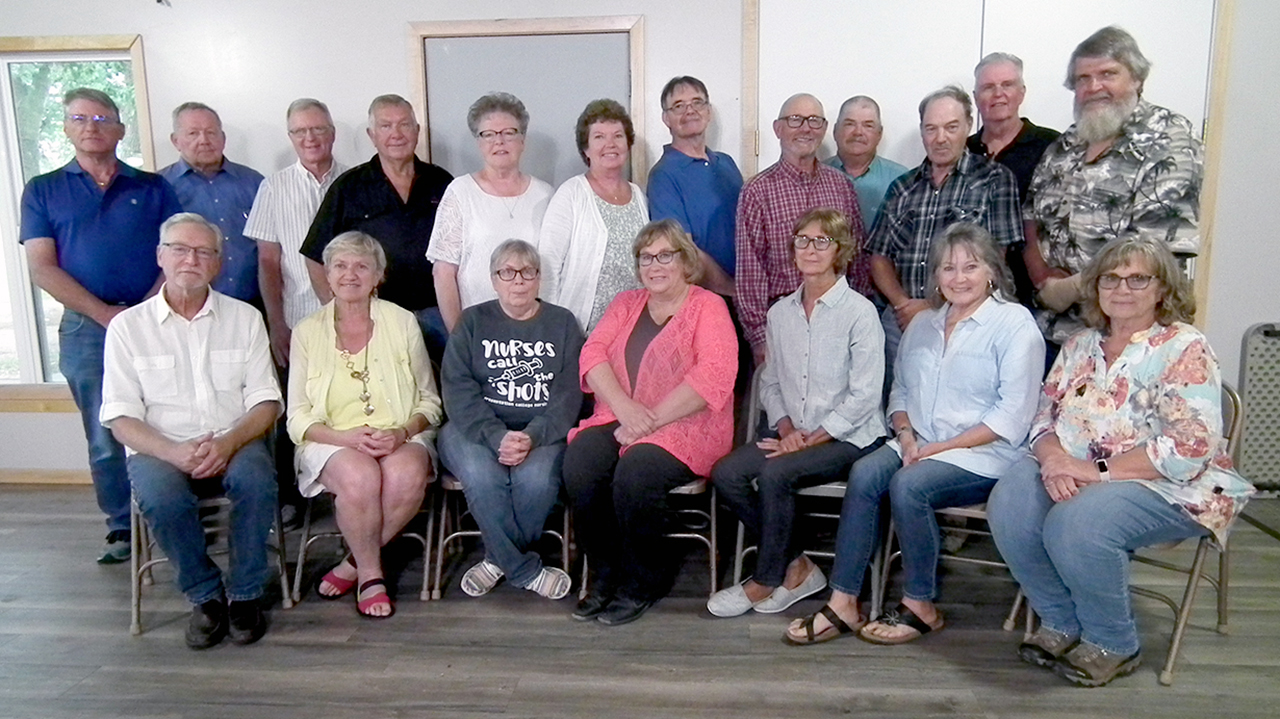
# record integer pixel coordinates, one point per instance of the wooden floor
(66, 651)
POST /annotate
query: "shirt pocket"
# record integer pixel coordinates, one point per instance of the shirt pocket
(975, 212)
(227, 368)
(158, 375)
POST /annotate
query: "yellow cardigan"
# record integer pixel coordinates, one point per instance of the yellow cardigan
(399, 369)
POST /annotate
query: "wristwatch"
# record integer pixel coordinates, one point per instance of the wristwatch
(1104, 472)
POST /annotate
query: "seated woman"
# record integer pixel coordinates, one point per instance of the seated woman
(820, 388)
(1128, 451)
(592, 220)
(661, 364)
(964, 392)
(510, 385)
(362, 405)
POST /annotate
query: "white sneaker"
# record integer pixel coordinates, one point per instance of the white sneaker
(731, 602)
(481, 579)
(550, 582)
(782, 598)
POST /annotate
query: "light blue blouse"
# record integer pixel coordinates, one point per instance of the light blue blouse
(989, 373)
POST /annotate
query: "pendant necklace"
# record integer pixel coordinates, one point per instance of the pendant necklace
(362, 375)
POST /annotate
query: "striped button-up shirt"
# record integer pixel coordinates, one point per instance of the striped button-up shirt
(767, 210)
(914, 212)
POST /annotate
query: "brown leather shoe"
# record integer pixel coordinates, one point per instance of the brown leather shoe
(1089, 665)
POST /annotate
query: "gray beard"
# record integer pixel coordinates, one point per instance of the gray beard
(1104, 121)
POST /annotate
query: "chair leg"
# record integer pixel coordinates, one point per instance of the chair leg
(880, 585)
(1011, 621)
(737, 554)
(425, 594)
(443, 523)
(714, 548)
(1184, 611)
(286, 598)
(135, 561)
(1224, 581)
(303, 542)
(565, 559)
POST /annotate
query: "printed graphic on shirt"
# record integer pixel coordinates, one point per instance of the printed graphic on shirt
(518, 372)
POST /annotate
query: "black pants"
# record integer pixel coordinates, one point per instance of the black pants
(620, 510)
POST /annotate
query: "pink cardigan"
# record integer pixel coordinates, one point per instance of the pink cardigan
(698, 347)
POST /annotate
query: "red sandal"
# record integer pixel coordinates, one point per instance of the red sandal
(344, 586)
(364, 605)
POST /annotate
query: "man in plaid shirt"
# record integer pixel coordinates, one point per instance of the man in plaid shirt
(770, 204)
(951, 185)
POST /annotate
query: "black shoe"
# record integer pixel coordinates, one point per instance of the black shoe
(624, 610)
(208, 624)
(590, 606)
(248, 621)
(117, 548)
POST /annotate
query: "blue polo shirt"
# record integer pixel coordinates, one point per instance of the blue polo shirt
(702, 195)
(225, 200)
(106, 239)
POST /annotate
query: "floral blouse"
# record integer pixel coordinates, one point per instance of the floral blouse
(1163, 393)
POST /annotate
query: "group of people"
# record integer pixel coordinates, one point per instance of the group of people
(588, 342)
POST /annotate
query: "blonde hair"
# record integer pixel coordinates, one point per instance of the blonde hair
(1177, 302)
(680, 241)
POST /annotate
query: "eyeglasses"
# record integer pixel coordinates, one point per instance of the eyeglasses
(819, 243)
(664, 258)
(697, 105)
(508, 134)
(1111, 281)
(816, 122)
(184, 251)
(99, 120)
(506, 274)
(310, 132)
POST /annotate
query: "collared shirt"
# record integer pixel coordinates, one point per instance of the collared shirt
(106, 239)
(364, 199)
(225, 200)
(988, 372)
(1164, 394)
(1147, 184)
(977, 190)
(826, 370)
(1022, 155)
(282, 213)
(186, 378)
(768, 208)
(872, 184)
(702, 195)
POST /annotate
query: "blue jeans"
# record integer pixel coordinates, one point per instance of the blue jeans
(914, 493)
(167, 498)
(81, 343)
(510, 504)
(1072, 557)
(434, 333)
(892, 338)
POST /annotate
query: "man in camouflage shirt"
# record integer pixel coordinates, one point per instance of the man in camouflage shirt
(1125, 168)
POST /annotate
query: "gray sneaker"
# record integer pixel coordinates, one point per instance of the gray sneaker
(1045, 647)
(116, 550)
(1092, 666)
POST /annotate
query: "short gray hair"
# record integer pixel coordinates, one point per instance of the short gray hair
(860, 101)
(1114, 43)
(307, 103)
(92, 95)
(389, 100)
(497, 102)
(996, 58)
(982, 246)
(190, 218)
(955, 92)
(357, 243)
(515, 249)
(191, 107)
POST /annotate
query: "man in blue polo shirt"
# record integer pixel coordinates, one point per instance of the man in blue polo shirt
(90, 230)
(219, 190)
(694, 185)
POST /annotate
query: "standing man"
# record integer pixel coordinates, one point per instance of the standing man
(216, 188)
(392, 197)
(770, 204)
(951, 185)
(1009, 139)
(694, 185)
(190, 391)
(90, 230)
(1126, 168)
(857, 134)
(281, 215)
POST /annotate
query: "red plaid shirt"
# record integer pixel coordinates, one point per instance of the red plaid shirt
(768, 208)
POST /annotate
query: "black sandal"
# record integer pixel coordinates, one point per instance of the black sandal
(900, 615)
(839, 628)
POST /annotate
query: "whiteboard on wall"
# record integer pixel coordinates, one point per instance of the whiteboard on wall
(555, 76)
(898, 52)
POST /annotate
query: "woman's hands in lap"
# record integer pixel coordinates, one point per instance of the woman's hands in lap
(514, 448)
(376, 443)
(1063, 475)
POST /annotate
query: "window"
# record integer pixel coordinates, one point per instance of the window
(34, 75)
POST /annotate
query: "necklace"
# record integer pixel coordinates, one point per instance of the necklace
(511, 208)
(362, 375)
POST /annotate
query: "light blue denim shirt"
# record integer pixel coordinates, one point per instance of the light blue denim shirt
(988, 373)
(825, 370)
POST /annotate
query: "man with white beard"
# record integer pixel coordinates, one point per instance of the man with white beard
(1126, 168)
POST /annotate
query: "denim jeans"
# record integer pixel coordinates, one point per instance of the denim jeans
(762, 493)
(914, 493)
(892, 338)
(168, 502)
(81, 342)
(510, 504)
(1072, 557)
(434, 333)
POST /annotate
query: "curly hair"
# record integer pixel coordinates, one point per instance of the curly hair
(680, 241)
(602, 111)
